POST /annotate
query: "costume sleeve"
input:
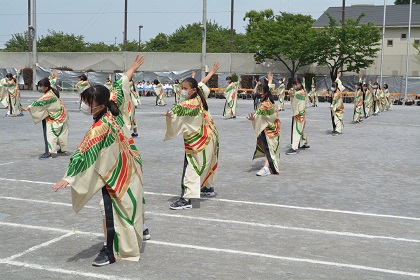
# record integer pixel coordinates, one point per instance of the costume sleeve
(40, 109)
(82, 172)
(204, 89)
(340, 84)
(265, 115)
(186, 118)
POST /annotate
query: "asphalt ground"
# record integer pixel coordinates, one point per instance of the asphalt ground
(347, 208)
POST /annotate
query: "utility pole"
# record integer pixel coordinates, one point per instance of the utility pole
(231, 25)
(408, 49)
(29, 26)
(34, 60)
(203, 40)
(140, 27)
(125, 26)
(383, 44)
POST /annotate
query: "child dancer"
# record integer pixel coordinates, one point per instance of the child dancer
(108, 161)
(266, 124)
(192, 119)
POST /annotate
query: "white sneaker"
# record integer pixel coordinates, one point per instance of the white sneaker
(264, 171)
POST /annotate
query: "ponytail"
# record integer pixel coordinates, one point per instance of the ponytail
(113, 108)
(193, 83)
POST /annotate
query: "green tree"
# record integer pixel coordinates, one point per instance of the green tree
(288, 38)
(18, 43)
(349, 47)
(417, 47)
(188, 39)
(57, 41)
(406, 2)
(157, 44)
(101, 47)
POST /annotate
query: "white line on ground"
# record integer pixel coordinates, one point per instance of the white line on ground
(311, 261)
(6, 163)
(45, 244)
(63, 271)
(319, 231)
(244, 253)
(260, 204)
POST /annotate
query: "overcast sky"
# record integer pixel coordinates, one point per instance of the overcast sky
(103, 20)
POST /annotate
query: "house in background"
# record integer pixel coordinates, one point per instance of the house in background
(396, 35)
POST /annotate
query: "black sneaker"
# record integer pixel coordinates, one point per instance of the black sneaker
(207, 191)
(134, 134)
(335, 133)
(44, 156)
(102, 258)
(304, 147)
(291, 151)
(181, 203)
(146, 234)
(60, 152)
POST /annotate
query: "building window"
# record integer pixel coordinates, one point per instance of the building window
(417, 42)
(390, 43)
(403, 36)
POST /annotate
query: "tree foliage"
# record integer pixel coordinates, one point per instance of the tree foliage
(406, 2)
(350, 47)
(188, 39)
(288, 38)
(417, 47)
(57, 41)
(18, 43)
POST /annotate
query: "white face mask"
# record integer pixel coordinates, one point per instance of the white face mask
(85, 109)
(184, 94)
(333, 89)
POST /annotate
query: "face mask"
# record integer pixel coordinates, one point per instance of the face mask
(85, 109)
(41, 89)
(333, 89)
(375, 87)
(184, 94)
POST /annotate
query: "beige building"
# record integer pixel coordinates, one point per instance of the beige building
(396, 35)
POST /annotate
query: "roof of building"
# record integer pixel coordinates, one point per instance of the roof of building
(396, 15)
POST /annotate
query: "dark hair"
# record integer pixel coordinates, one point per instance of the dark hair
(359, 84)
(385, 86)
(176, 81)
(266, 89)
(45, 82)
(335, 84)
(101, 95)
(156, 81)
(83, 77)
(229, 79)
(10, 76)
(296, 82)
(194, 84)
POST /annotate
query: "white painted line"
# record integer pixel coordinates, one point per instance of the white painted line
(6, 163)
(50, 229)
(245, 253)
(327, 232)
(320, 209)
(44, 202)
(261, 204)
(319, 231)
(45, 244)
(63, 271)
(311, 261)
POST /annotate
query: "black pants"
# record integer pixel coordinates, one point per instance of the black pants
(183, 187)
(263, 139)
(44, 132)
(109, 218)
